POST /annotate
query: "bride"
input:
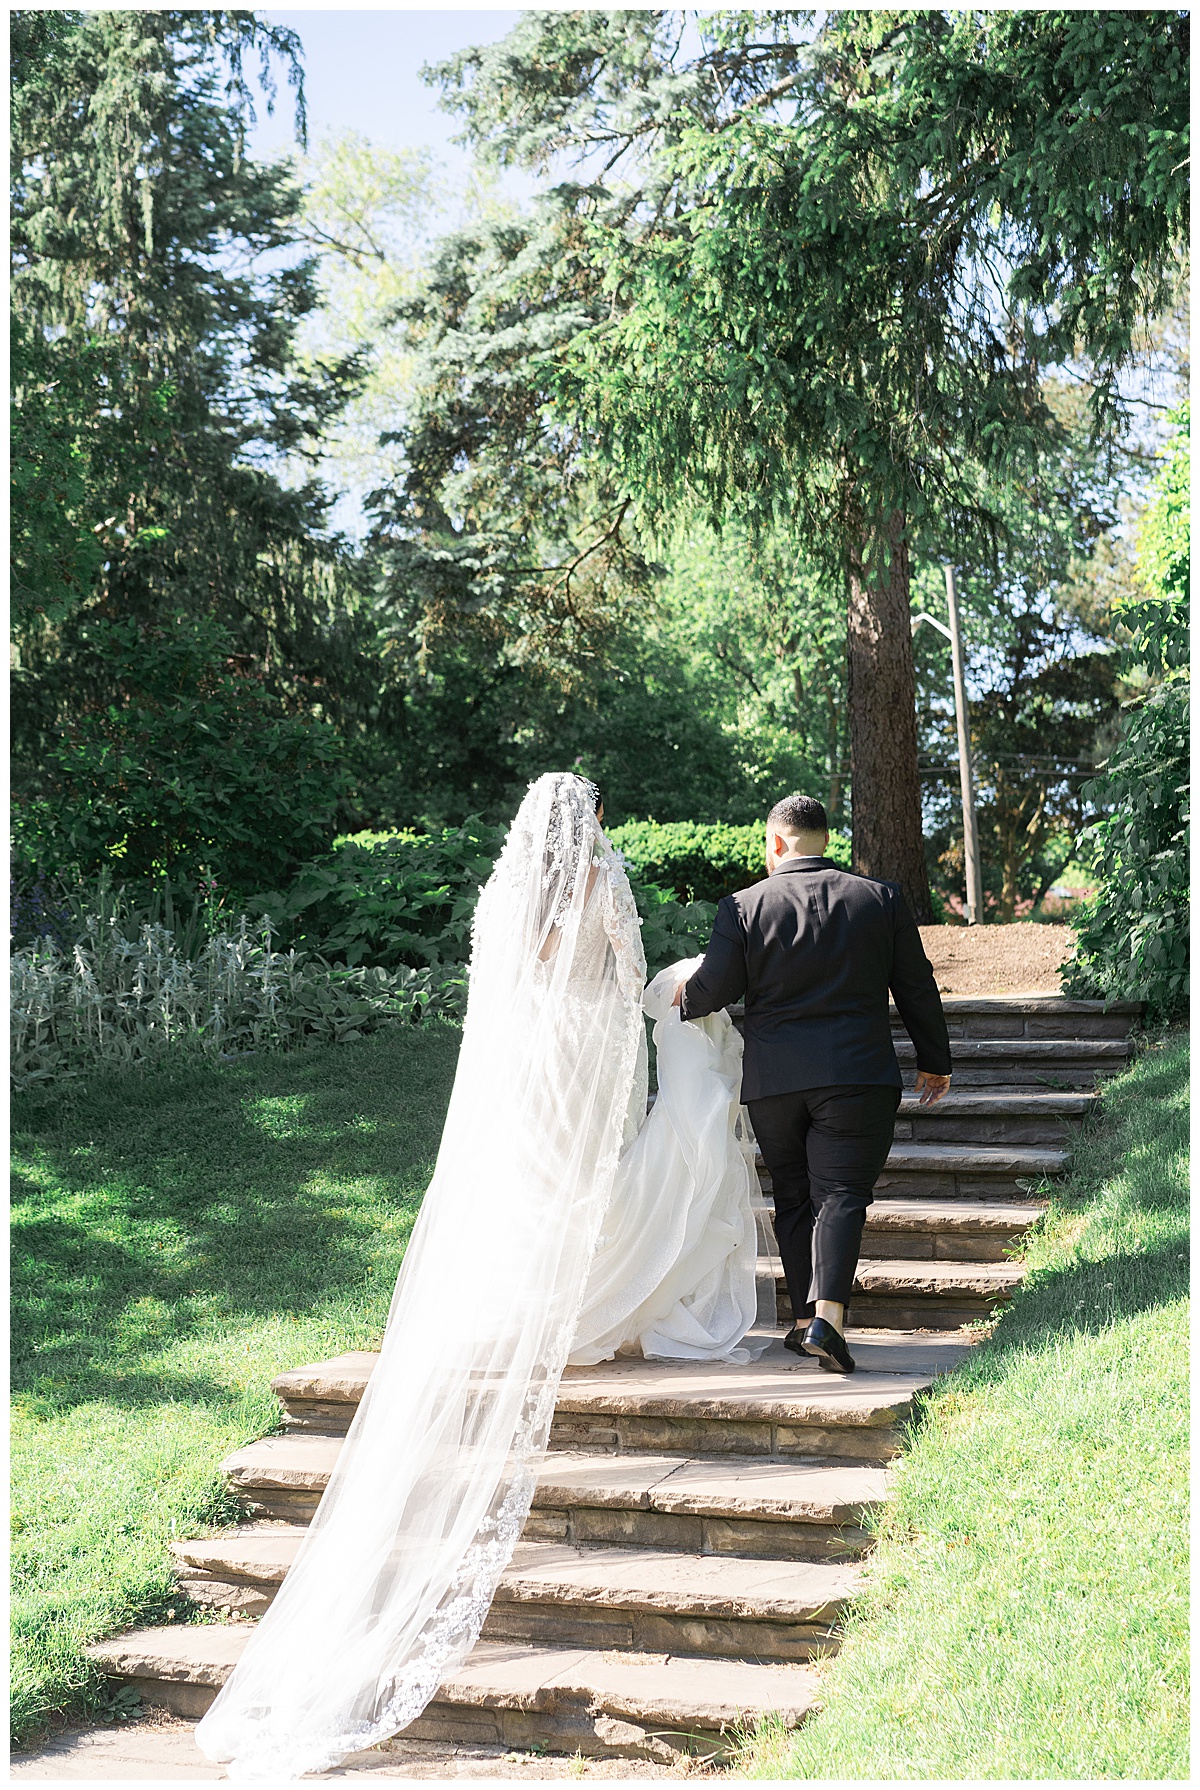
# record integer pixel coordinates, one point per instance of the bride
(561, 1225)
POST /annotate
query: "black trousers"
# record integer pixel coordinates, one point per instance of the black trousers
(825, 1148)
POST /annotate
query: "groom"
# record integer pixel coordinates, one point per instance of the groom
(814, 949)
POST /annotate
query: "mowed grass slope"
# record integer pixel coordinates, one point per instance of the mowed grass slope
(1026, 1615)
(181, 1235)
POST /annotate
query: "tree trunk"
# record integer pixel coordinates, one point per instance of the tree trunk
(885, 790)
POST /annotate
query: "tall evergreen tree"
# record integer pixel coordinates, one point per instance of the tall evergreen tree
(157, 291)
(150, 250)
(835, 253)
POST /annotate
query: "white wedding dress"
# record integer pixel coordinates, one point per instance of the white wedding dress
(674, 1272)
(520, 1254)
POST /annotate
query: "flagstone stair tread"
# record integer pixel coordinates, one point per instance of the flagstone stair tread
(1053, 1050)
(977, 1278)
(254, 1553)
(202, 1653)
(299, 1463)
(1013, 1159)
(733, 1487)
(683, 1584)
(1053, 1005)
(780, 1386)
(771, 1388)
(895, 1213)
(687, 1692)
(934, 1278)
(983, 1102)
(974, 1159)
(723, 1585)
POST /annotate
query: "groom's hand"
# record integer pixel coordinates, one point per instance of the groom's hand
(678, 994)
(930, 1088)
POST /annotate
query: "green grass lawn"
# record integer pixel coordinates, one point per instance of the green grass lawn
(1026, 1615)
(185, 1233)
(181, 1235)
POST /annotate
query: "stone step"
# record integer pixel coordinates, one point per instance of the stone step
(967, 1171)
(905, 1294)
(643, 1600)
(995, 1117)
(1033, 1016)
(753, 1507)
(961, 1171)
(1051, 1063)
(600, 1704)
(781, 1406)
(933, 1230)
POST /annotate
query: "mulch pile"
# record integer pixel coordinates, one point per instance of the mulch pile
(1022, 958)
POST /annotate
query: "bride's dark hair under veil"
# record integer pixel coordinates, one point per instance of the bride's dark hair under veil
(432, 1487)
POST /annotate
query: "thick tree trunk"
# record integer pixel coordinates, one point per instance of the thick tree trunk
(885, 789)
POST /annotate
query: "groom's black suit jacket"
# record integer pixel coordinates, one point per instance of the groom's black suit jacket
(814, 950)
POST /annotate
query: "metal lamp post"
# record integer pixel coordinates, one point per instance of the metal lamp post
(953, 634)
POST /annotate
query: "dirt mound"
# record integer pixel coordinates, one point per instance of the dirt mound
(1022, 958)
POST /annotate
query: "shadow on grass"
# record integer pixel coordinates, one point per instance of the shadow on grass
(157, 1202)
(1087, 1296)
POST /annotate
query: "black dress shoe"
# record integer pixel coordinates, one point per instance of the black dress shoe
(829, 1346)
(793, 1341)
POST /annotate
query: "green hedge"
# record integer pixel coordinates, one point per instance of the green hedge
(695, 862)
(391, 899)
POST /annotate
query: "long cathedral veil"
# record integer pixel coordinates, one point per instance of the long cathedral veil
(433, 1484)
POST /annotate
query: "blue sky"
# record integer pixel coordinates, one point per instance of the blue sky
(362, 73)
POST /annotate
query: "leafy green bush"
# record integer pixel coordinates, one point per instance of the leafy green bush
(695, 862)
(195, 772)
(111, 1000)
(390, 898)
(53, 546)
(671, 930)
(407, 898)
(1133, 936)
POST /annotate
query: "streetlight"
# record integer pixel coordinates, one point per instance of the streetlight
(953, 634)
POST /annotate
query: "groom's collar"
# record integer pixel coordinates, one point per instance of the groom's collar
(804, 864)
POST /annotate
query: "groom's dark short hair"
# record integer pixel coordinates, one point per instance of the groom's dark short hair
(798, 814)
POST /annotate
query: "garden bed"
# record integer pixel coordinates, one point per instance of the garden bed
(1021, 958)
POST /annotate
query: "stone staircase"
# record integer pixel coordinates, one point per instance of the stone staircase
(696, 1530)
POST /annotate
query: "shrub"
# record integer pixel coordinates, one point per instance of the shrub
(407, 898)
(380, 932)
(1133, 935)
(112, 1000)
(671, 930)
(390, 898)
(695, 862)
